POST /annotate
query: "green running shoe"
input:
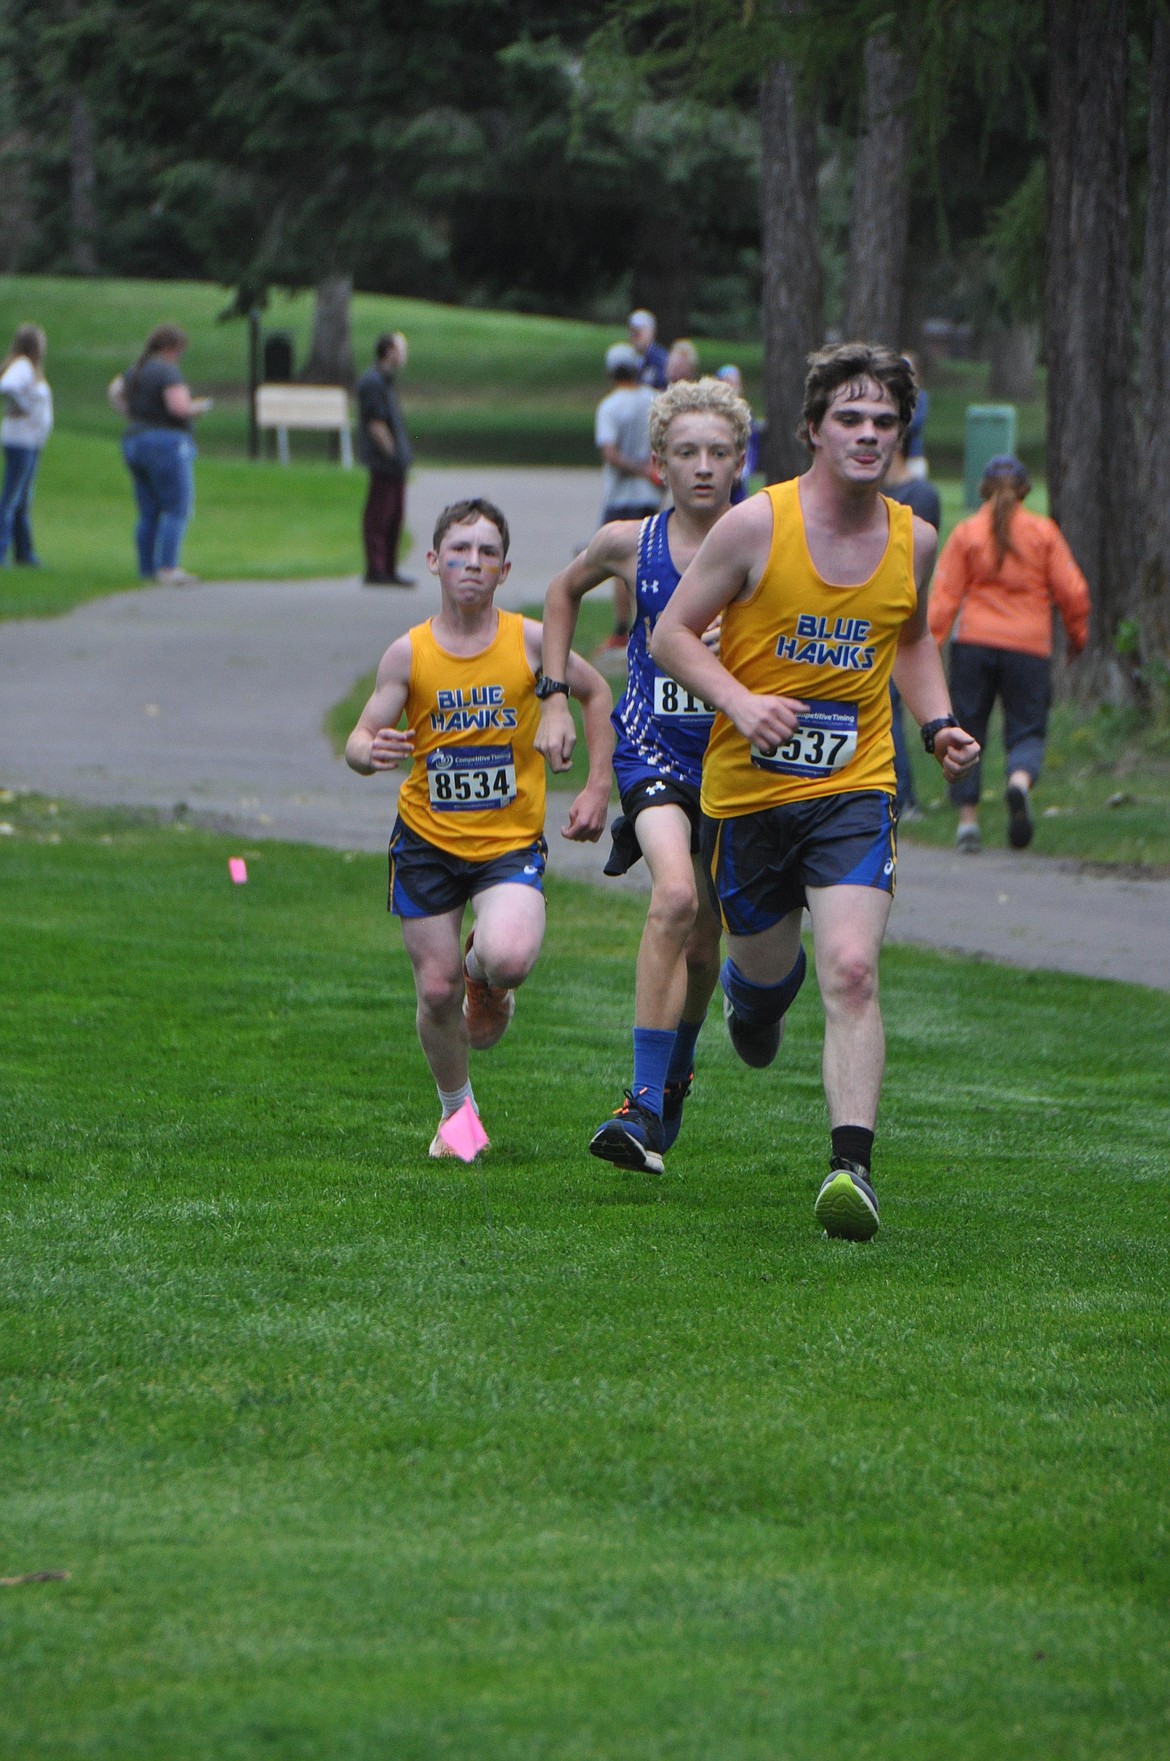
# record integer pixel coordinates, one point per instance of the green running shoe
(847, 1207)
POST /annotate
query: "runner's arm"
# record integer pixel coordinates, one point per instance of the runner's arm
(918, 668)
(376, 742)
(728, 566)
(589, 812)
(611, 552)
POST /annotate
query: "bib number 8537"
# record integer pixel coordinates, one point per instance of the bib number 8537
(824, 741)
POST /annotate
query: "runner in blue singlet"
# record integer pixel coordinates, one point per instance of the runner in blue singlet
(698, 432)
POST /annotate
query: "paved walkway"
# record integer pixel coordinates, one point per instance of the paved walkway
(214, 696)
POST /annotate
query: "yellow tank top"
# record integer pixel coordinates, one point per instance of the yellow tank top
(476, 787)
(833, 647)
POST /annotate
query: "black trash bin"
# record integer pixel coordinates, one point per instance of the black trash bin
(278, 357)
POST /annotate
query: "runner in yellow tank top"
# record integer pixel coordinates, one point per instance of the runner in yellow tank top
(470, 825)
(822, 586)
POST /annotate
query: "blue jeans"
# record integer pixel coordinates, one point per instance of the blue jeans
(16, 499)
(162, 463)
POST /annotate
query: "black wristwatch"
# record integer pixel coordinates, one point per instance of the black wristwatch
(930, 729)
(547, 687)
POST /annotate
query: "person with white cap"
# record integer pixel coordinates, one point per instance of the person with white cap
(630, 490)
(652, 357)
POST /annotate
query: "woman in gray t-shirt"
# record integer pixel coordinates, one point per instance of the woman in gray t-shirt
(159, 451)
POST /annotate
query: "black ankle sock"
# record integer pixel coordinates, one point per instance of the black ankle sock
(853, 1142)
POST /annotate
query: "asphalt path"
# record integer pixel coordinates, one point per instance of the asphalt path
(210, 701)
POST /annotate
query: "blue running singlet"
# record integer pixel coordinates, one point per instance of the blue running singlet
(662, 729)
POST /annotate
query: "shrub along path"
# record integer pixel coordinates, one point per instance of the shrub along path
(211, 701)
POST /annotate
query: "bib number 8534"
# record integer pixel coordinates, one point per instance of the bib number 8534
(469, 779)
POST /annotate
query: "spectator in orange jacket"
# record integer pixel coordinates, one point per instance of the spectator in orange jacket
(1000, 574)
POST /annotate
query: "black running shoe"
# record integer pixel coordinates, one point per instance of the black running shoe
(673, 1097)
(631, 1139)
(1019, 818)
(847, 1206)
(756, 1045)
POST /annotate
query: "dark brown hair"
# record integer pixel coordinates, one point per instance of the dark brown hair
(462, 513)
(162, 339)
(851, 364)
(1003, 493)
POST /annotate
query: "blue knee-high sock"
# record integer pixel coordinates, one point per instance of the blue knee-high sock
(682, 1057)
(758, 1005)
(652, 1049)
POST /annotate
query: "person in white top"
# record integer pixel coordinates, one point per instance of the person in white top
(26, 426)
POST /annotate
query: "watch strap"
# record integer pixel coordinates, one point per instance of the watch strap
(930, 729)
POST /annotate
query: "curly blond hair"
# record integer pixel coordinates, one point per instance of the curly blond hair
(705, 397)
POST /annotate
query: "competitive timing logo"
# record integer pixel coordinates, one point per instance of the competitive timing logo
(836, 642)
(481, 708)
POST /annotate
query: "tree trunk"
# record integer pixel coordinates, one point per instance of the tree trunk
(1014, 349)
(17, 217)
(792, 277)
(330, 359)
(1153, 607)
(1092, 449)
(879, 218)
(82, 179)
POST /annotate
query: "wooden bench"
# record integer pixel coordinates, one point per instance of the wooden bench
(317, 408)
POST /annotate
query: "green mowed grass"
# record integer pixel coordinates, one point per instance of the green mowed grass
(252, 522)
(500, 387)
(354, 1454)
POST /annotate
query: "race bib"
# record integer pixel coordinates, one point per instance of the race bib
(465, 779)
(825, 740)
(672, 700)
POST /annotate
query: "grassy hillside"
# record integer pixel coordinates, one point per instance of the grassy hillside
(480, 385)
(490, 386)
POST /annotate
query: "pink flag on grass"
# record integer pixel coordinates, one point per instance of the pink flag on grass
(238, 869)
(463, 1133)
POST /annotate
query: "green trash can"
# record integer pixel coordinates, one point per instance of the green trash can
(990, 429)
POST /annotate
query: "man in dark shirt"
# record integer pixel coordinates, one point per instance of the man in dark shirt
(923, 499)
(384, 449)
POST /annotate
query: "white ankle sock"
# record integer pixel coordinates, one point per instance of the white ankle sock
(452, 1100)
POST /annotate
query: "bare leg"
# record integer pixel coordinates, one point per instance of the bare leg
(848, 926)
(768, 957)
(436, 959)
(702, 951)
(679, 925)
(509, 930)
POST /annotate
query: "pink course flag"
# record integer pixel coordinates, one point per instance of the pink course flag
(463, 1133)
(238, 869)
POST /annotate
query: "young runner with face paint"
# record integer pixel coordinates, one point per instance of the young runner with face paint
(470, 826)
